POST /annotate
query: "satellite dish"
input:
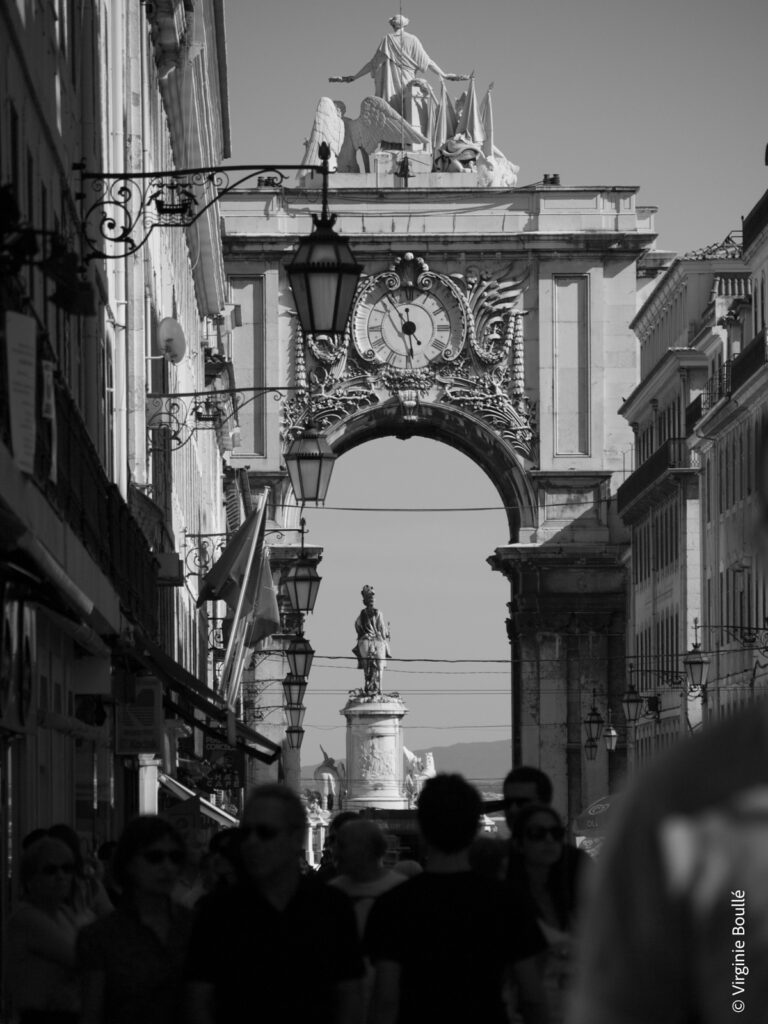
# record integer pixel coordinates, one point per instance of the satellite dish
(171, 340)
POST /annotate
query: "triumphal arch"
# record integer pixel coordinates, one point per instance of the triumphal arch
(491, 315)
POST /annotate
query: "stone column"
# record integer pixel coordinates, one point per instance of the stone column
(374, 752)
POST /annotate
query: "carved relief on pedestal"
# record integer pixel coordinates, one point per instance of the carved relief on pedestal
(420, 336)
(376, 763)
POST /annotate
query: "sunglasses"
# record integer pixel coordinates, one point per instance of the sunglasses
(49, 870)
(536, 835)
(263, 832)
(156, 857)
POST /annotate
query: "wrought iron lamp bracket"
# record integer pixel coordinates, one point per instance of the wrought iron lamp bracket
(183, 414)
(120, 211)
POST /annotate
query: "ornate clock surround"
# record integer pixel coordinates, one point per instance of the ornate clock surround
(482, 376)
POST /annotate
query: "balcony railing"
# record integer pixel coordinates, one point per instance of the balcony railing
(84, 497)
(751, 359)
(755, 221)
(718, 386)
(673, 454)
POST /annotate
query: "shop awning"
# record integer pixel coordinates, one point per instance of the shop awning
(210, 810)
(178, 679)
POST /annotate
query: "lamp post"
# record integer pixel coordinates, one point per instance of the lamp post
(632, 703)
(696, 666)
(299, 654)
(309, 461)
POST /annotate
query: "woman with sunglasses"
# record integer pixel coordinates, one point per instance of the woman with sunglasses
(41, 974)
(537, 875)
(132, 959)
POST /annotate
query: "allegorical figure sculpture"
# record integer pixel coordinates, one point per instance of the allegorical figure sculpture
(399, 59)
(372, 647)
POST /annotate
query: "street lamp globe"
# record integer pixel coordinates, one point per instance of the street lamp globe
(294, 688)
(294, 738)
(697, 669)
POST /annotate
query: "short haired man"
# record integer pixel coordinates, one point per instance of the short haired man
(441, 941)
(278, 937)
(360, 850)
(525, 785)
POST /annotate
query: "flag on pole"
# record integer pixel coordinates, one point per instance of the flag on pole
(444, 126)
(486, 116)
(471, 125)
(265, 619)
(225, 580)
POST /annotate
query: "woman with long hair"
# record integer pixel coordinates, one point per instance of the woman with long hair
(538, 874)
(41, 976)
(132, 959)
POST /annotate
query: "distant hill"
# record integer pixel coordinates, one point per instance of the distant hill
(484, 764)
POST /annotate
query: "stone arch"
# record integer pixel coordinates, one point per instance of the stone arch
(461, 430)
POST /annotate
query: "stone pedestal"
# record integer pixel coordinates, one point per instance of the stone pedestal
(374, 752)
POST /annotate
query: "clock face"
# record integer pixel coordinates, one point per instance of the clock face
(408, 327)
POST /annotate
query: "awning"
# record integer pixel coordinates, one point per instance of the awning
(207, 808)
(178, 679)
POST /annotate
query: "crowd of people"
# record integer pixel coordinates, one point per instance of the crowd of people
(480, 929)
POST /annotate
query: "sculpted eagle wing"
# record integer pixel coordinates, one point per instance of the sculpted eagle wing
(379, 122)
(328, 127)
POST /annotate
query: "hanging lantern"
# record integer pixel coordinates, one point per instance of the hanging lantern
(697, 669)
(299, 654)
(594, 721)
(302, 585)
(294, 738)
(294, 688)
(632, 704)
(309, 461)
(295, 716)
(590, 749)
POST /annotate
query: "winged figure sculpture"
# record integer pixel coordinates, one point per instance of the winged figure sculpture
(377, 123)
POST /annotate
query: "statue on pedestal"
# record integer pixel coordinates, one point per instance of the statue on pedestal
(372, 647)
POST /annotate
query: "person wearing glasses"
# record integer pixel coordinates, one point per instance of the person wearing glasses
(278, 945)
(132, 959)
(537, 877)
(41, 977)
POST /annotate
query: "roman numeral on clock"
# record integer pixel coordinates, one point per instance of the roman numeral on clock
(438, 344)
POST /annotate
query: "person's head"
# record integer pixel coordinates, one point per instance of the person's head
(67, 835)
(32, 837)
(273, 832)
(368, 596)
(47, 872)
(398, 21)
(360, 848)
(149, 857)
(448, 813)
(539, 834)
(488, 856)
(223, 857)
(332, 835)
(524, 786)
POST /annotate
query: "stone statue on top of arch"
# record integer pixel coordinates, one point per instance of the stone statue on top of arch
(372, 647)
(399, 59)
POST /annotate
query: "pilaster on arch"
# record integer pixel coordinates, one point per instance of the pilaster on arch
(461, 430)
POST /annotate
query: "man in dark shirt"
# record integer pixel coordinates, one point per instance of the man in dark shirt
(441, 942)
(278, 945)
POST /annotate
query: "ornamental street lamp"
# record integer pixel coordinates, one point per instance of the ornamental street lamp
(309, 461)
(295, 716)
(302, 582)
(294, 688)
(696, 665)
(294, 738)
(594, 722)
(590, 748)
(299, 654)
(610, 735)
(632, 704)
(324, 273)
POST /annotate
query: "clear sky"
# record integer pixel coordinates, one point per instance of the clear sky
(669, 95)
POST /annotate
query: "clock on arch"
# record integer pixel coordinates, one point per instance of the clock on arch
(408, 318)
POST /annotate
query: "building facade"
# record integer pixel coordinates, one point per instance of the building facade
(106, 502)
(684, 344)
